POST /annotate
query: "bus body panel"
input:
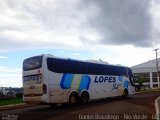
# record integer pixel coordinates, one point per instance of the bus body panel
(60, 85)
(33, 85)
(96, 90)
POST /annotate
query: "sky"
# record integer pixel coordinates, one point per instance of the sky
(123, 32)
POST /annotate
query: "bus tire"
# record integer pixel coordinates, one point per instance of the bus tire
(73, 98)
(125, 93)
(84, 97)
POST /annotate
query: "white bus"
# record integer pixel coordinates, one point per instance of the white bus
(50, 79)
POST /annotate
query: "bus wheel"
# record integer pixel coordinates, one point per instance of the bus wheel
(73, 98)
(84, 98)
(125, 93)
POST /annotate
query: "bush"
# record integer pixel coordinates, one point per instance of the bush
(19, 95)
(2, 95)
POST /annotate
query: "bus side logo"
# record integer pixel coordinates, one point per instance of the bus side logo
(67, 81)
(126, 84)
(84, 83)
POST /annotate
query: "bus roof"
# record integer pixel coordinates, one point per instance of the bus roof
(87, 61)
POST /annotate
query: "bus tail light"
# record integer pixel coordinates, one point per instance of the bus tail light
(44, 88)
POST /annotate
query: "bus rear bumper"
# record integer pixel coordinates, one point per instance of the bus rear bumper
(35, 99)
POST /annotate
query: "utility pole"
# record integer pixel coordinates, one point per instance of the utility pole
(157, 65)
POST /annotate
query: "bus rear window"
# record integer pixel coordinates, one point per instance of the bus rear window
(32, 63)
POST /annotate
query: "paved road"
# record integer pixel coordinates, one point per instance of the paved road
(138, 106)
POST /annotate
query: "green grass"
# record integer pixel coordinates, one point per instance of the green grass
(151, 90)
(11, 101)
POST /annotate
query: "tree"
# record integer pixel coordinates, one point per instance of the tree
(140, 82)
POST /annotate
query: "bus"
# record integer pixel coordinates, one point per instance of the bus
(52, 80)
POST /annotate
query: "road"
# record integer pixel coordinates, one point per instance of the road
(138, 106)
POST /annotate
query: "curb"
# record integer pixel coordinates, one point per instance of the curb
(14, 106)
(157, 108)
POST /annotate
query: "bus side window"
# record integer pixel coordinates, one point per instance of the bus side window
(124, 72)
(51, 64)
(71, 67)
(130, 73)
(131, 77)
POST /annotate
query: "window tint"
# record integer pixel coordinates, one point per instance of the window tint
(77, 67)
(131, 77)
(124, 69)
(130, 72)
(51, 64)
(32, 63)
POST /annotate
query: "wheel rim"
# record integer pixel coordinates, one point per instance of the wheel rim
(84, 98)
(73, 99)
(125, 93)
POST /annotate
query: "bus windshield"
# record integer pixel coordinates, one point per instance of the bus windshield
(32, 63)
(131, 77)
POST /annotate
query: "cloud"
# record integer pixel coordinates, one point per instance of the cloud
(76, 54)
(123, 22)
(10, 77)
(43, 24)
(3, 57)
(156, 19)
(76, 24)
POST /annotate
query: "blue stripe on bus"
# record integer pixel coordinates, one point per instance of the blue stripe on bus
(66, 81)
(120, 78)
(84, 83)
(126, 84)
